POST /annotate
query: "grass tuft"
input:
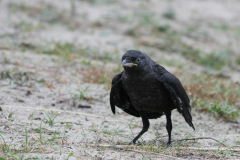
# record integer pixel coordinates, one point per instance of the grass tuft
(213, 60)
(21, 78)
(224, 109)
(238, 60)
(169, 14)
(214, 95)
(99, 75)
(81, 94)
(51, 118)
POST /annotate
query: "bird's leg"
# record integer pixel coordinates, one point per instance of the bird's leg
(146, 125)
(169, 127)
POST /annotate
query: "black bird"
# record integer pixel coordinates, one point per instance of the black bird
(146, 89)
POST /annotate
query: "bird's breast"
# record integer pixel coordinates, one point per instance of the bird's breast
(147, 94)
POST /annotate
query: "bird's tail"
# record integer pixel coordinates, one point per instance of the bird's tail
(186, 112)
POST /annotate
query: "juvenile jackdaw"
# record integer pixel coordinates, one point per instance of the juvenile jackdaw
(146, 89)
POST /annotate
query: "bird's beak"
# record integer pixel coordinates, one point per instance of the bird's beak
(125, 64)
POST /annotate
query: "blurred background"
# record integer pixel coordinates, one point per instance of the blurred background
(198, 40)
(206, 33)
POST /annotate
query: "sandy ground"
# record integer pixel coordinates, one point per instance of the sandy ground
(51, 81)
(55, 95)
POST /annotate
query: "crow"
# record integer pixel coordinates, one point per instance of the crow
(146, 89)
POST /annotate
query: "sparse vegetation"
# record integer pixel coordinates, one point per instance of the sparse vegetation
(214, 60)
(170, 14)
(89, 42)
(238, 60)
(224, 109)
(99, 75)
(65, 50)
(26, 26)
(210, 94)
(43, 12)
(80, 95)
(171, 42)
(69, 51)
(50, 119)
(21, 78)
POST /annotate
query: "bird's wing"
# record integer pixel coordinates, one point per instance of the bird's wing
(119, 97)
(178, 95)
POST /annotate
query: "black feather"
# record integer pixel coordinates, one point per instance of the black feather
(119, 98)
(178, 95)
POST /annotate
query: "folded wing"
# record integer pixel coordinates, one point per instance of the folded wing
(178, 95)
(119, 97)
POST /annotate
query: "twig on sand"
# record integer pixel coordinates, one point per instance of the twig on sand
(80, 113)
(157, 154)
(133, 149)
(155, 148)
(39, 143)
(123, 121)
(211, 149)
(7, 119)
(202, 138)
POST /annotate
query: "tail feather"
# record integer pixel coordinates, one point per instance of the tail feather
(187, 115)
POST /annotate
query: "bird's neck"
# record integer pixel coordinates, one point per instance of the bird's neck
(138, 73)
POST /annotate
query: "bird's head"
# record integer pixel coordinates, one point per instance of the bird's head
(134, 60)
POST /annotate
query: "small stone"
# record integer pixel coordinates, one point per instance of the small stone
(83, 106)
(20, 100)
(28, 93)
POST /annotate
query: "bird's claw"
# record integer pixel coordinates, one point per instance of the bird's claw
(137, 144)
(169, 144)
(131, 143)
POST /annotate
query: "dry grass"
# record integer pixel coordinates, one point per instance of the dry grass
(215, 95)
(99, 75)
(46, 138)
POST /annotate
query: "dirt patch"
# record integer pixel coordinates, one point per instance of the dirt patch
(73, 133)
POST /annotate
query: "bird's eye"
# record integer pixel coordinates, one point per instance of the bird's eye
(138, 60)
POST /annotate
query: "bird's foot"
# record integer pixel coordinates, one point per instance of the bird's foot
(137, 144)
(132, 143)
(169, 144)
